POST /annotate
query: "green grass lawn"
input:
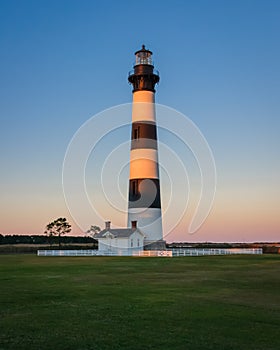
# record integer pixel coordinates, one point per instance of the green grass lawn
(217, 302)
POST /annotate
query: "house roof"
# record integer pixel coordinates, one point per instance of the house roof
(117, 233)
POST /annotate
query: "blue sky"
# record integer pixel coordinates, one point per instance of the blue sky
(64, 61)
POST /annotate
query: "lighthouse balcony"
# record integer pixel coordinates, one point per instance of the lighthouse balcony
(154, 72)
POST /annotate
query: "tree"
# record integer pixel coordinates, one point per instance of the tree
(58, 228)
(93, 230)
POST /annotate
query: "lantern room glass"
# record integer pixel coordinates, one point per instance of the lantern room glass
(144, 57)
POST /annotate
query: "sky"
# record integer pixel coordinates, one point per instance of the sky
(63, 62)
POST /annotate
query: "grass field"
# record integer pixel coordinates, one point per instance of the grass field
(217, 302)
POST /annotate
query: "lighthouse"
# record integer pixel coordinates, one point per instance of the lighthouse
(144, 202)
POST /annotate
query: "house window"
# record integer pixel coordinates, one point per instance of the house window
(138, 242)
(131, 243)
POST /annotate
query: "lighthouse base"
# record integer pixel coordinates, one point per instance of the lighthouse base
(154, 245)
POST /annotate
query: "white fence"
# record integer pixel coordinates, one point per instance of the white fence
(91, 252)
(159, 253)
(215, 251)
(88, 252)
(147, 253)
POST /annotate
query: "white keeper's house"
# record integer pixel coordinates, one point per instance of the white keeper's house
(121, 240)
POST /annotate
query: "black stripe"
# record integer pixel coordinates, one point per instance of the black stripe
(144, 193)
(144, 130)
(144, 135)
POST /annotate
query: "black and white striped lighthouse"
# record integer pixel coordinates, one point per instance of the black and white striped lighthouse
(144, 204)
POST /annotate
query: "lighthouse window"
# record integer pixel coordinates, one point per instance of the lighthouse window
(136, 133)
(134, 187)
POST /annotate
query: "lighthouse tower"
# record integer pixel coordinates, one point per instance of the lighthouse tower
(144, 205)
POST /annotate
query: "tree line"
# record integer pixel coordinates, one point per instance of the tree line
(43, 239)
(55, 233)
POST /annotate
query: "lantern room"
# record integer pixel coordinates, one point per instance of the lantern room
(143, 56)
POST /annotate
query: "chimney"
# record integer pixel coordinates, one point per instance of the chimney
(107, 225)
(134, 224)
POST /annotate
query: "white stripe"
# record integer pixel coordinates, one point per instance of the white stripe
(144, 164)
(147, 153)
(143, 107)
